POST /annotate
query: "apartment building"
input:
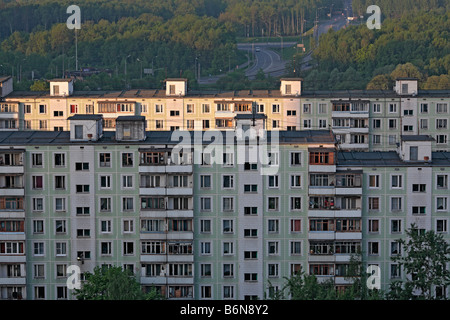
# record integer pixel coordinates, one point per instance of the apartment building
(198, 228)
(363, 120)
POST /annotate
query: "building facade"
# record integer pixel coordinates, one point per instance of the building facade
(364, 120)
(206, 221)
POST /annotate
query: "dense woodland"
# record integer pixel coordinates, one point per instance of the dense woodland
(180, 37)
(352, 57)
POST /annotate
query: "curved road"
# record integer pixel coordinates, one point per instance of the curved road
(270, 61)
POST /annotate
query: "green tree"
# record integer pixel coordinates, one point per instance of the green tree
(425, 257)
(380, 82)
(40, 85)
(111, 283)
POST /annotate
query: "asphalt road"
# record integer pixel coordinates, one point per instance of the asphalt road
(270, 61)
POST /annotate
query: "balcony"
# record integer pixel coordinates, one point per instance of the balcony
(348, 235)
(321, 235)
(321, 258)
(356, 191)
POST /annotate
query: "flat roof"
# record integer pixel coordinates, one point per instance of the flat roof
(33, 137)
(130, 118)
(388, 159)
(86, 117)
(416, 137)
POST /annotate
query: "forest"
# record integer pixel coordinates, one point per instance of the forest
(360, 58)
(173, 38)
(182, 38)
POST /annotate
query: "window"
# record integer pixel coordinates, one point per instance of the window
(61, 249)
(396, 204)
(81, 166)
(105, 160)
(374, 248)
(307, 108)
(395, 248)
(159, 108)
(441, 108)
(275, 124)
(423, 123)
(376, 108)
(227, 226)
(418, 210)
(441, 138)
(307, 124)
(59, 159)
(250, 233)
(419, 187)
(250, 166)
(273, 203)
(322, 108)
(127, 159)
(441, 123)
(392, 123)
(159, 124)
(105, 204)
(205, 204)
(250, 255)
(205, 108)
(36, 159)
(60, 204)
(296, 181)
(227, 204)
(205, 226)
(296, 248)
(392, 108)
(291, 113)
(127, 181)
(374, 181)
(127, 204)
(128, 226)
(105, 248)
(42, 108)
(296, 158)
(82, 188)
(205, 248)
(396, 226)
(128, 248)
(205, 181)
(250, 210)
(442, 181)
(322, 123)
(38, 248)
(205, 270)
(424, 108)
(189, 108)
(275, 108)
(37, 182)
(83, 211)
(272, 248)
(396, 181)
(441, 203)
(320, 158)
(38, 204)
(273, 181)
(374, 225)
(228, 270)
(296, 225)
(408, 128)
(441, 225)
(174, 113)
(105, 181)
(83, 233)
(296, 203)
(273, 226)
(38, 226)
(228, 182)
(250, 188)
(228, 159)
(376, 123)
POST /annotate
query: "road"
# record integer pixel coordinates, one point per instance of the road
(270, 61)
